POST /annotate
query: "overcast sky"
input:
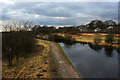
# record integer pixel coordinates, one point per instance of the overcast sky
(59, 13)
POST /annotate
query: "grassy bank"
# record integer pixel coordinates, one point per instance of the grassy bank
(52, 64)
(37, 65)
(63, 52)
(90, 38)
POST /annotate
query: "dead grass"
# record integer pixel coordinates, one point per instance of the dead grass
(36, 66)
(89, 38)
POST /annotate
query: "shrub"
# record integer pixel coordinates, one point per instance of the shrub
(97, 39)
(109, 38)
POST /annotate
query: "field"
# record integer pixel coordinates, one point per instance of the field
(89, 38)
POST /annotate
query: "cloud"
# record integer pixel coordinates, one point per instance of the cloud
(60, 13)
(12, 1)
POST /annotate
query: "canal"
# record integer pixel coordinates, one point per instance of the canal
(92, 61)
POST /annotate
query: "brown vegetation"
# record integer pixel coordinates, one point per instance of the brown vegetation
(37, 65)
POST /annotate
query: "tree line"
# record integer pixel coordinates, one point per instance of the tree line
(17, 41)
(108, 26)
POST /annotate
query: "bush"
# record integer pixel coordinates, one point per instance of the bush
(97, 39)
(109, 38)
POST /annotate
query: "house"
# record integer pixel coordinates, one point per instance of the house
(110, 27)
(97, 30)
(83, 29)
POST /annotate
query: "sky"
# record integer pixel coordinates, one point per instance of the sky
(58, 13)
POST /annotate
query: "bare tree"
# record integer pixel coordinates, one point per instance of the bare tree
(17, 39)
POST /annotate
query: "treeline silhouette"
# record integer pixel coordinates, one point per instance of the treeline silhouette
(94, 26)
(17, 41)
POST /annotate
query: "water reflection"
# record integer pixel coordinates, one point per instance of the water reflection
(95, 47)
(118, 50)
(108, 51)
(83, 43)
(68, 44)
(89, 63)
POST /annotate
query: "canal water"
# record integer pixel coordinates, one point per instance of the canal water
(93, 61)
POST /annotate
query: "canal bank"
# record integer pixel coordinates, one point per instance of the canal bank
(64, 68)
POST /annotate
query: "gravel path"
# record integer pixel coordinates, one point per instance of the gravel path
(64, 67)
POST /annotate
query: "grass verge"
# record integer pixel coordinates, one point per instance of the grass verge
(66, 56)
